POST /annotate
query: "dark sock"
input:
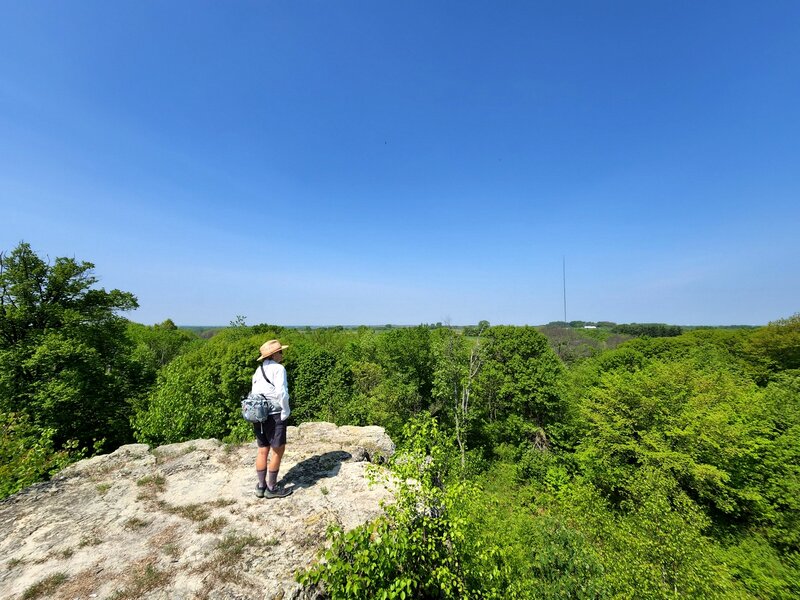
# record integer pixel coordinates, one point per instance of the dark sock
(273, 480)
(262, 477)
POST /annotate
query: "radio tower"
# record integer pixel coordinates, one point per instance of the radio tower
(564, 279)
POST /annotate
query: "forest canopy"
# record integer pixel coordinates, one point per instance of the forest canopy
(550, 461)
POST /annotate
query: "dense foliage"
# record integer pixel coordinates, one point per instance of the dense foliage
(648, 329)
(668, 471)
(61, 345)
(554, 462)
(68, 367)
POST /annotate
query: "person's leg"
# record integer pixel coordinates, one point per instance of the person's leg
(275, 466)
(277, 443)
(262, 457)
(261, 466)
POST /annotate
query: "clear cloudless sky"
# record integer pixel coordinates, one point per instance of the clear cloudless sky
(368, 162)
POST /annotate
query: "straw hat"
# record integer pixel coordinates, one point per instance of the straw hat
(269, 348)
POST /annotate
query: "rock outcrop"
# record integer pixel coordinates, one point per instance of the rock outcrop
(182, 521)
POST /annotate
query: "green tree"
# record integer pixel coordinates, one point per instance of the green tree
(728, 444)
(778, 344)
(375, 398)
(458, 364)
(198, 394)
(761, 569)
(655, 547)
(64, 357)
(690, 424)
(317, 376)
(405, 354)
(156, 346)
(364, 377)
(520, 386)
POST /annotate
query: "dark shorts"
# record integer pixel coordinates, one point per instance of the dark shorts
(271, 432)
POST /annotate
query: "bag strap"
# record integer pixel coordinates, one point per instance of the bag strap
(265, 375)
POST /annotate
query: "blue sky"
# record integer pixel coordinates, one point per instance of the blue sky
(410, 162)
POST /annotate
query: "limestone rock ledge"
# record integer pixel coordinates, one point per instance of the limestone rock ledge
(181, 521)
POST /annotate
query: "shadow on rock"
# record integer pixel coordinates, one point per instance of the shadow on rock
(309, 471)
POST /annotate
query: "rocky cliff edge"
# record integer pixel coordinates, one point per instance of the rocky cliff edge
(182, 521)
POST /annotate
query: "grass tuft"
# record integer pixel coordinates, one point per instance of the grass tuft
(171, 549)
(222, 502)
(45, 587)
(89, 541)
(151, 486)
(193, 512)
(143, 577)
(231, 548)
(156, 481)
(135, 523)
(215, 525)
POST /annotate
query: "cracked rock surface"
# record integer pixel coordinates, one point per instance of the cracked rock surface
(182, 521)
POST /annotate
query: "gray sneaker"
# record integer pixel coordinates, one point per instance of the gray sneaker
(278, 492)
(260, 491)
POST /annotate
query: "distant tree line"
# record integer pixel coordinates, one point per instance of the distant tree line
(648, 329)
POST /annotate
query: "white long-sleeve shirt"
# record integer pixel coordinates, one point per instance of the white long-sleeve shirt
(279, 390)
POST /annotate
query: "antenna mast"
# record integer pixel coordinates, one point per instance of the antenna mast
(564, 278)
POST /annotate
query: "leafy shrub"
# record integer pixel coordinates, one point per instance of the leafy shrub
(198, 393)
(654, 546)
(414, 550)
(27, 454)
(563, 563)
(762, 571)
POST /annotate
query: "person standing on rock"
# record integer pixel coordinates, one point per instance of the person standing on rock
(270, 380)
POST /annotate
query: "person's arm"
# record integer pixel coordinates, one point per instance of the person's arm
(282, 391)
